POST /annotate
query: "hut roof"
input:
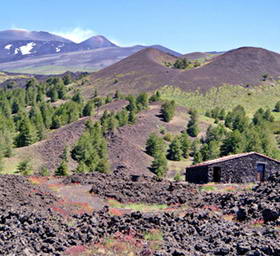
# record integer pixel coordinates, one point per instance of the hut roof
(230, 157)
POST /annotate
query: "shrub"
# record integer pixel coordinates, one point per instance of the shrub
(44, 171)
(178, 177)
(168, 110)
(25, 168)
(62, 170)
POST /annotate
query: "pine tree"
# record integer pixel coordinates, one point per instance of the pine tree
(211, 150)
(258, 118)
(112, 123)
(155, 145)
(222, 114)
(185, 145)
(56, 122)
(27, 134)
(78, 98)
(192, 128)
(155, 97)
(122, 117)
(197, 158)
(175, 152)
(168, 110)
(253, 141)
(268, 116)
(46, 112)
(91, 150)
(88, 109)
(159, 165)
(132, 117)
(62, 170)
(132, 107)
(37, 120)
(233, 144)
(65, 154)
(53, 95)
(67, 79)
(142, 101)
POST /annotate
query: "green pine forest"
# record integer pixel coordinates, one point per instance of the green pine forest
(238, 124)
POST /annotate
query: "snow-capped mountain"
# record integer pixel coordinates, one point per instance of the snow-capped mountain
(21, 35)
(18, 44)
(22, 50)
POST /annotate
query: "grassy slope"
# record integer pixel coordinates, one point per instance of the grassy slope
(4, 77)
(227, 97)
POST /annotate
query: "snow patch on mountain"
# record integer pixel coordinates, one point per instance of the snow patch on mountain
(8, 47)
(26, 49)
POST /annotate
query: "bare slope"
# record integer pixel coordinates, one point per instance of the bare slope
(145, 71)
(244, 66)
(127, 144)
(195, 55)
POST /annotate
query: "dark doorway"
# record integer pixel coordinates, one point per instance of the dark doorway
(217, 174)
(260, 172)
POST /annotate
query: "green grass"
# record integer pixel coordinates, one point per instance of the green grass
(208, 187)
(137, 206)
(19, 154)
(227, 96)
(154, 235)
(178, 165)
(226, 188)
(4, 77)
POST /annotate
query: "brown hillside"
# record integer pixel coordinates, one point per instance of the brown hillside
(144, 71)
(127, 144)
(200, 55)
(243, 66)
(48, 152)
(195, 55)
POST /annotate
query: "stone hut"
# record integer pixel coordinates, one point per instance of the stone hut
(239, 168)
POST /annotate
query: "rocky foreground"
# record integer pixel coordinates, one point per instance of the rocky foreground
(204, 223)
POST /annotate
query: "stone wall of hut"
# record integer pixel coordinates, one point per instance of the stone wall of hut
(238, 170)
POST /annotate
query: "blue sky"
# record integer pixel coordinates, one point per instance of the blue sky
(183, 25)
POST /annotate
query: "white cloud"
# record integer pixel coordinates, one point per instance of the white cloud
(19, 29)
(77, 35)
(123, 44)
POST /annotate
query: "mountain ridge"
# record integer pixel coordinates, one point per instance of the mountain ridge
(21, 50)
(244, 66)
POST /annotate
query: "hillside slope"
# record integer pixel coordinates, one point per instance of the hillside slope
(244, 66)
(145, 71)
